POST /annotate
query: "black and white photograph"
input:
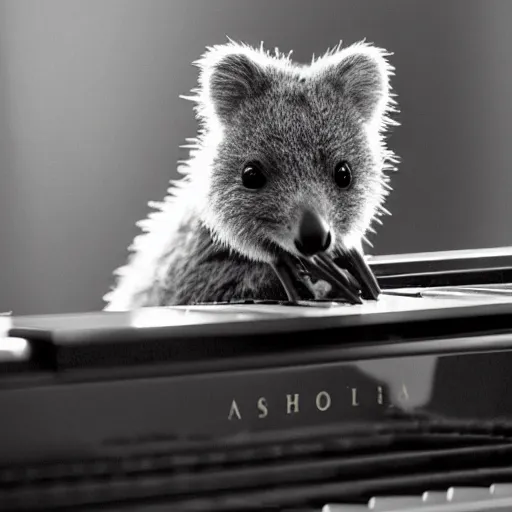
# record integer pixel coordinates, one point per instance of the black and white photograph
(255, 255)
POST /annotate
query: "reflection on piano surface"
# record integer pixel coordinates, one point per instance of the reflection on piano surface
(263, 406)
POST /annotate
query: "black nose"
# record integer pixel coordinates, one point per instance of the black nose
(314, 235)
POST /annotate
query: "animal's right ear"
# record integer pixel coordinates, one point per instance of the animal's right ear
(230, 79)
(361, 73)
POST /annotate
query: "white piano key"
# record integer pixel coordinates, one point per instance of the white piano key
(340, 507)
(501, 490)
(433, 498)
(460, 494)
(388, 503)
(496, 498)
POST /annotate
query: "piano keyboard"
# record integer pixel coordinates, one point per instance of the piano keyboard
(495, 498)
(304, 469)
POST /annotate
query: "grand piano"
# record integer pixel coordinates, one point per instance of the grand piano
(404, 403)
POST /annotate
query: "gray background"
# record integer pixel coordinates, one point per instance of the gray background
(91, 123)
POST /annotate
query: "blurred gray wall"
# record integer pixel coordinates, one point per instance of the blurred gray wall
(90, 123)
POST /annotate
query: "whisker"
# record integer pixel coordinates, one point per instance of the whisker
(367, 242)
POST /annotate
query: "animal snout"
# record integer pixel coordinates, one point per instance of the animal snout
(313, 235)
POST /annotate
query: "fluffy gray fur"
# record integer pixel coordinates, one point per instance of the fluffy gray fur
(211, 239)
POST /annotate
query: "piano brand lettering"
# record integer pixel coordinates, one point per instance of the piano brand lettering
(234, 411)
(262, 407)
(323, 401)
(292, 404)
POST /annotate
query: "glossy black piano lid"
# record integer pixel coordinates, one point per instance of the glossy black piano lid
(214, 334)
(441, 261)
(106, 340)
(443, 268)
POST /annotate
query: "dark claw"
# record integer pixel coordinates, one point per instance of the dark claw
(300, 274)
(349, 279)
(284, 274)
(355, 263)
(340, 285)
(339, 273)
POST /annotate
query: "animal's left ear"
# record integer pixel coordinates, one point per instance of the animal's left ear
(230, 77)
(361, 74)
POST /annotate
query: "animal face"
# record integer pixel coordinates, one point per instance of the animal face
(299, 159)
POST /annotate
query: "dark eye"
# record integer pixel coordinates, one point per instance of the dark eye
(253, 176)
(343, 174)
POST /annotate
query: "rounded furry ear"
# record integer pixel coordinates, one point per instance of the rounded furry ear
(360, 73)
(232, 80)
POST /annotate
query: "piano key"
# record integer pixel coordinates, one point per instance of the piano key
(333, 507)
(460, 494)
(478, 505)
(386, 503)
(300, 510)
(433, 497)
(501, 490)
(456, 499)
(242, 484)
(484, 505)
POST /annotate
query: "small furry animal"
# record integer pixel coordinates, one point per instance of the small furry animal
(290, 161)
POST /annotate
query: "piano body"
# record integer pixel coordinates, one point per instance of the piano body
(270, 406)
